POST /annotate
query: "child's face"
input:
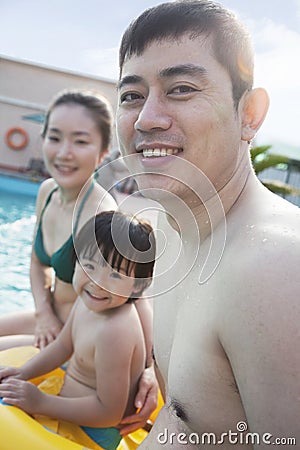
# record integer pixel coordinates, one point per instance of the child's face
(100, 286)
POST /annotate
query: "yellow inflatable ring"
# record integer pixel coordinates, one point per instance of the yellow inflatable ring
(10, 142)
(18, 430)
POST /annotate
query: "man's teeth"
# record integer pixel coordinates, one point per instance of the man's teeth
(157, 152)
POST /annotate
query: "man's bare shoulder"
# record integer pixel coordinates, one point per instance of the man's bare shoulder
(263, 262)
(258, 278)
(263, 233)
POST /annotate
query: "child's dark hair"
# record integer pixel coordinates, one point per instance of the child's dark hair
(119, 237)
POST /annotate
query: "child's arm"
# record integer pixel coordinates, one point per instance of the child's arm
(47, 359)
(15, 391)
(113, 359)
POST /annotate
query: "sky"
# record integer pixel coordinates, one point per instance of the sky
(84, 35)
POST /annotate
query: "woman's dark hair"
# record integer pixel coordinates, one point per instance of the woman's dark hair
(97, 106)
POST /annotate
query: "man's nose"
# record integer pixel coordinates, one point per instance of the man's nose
(153, 115)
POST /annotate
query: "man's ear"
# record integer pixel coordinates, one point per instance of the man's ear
(254, 109)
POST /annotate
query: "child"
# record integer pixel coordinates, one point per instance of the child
(102, 337)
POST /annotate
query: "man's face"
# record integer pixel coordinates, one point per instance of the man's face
(175, 104)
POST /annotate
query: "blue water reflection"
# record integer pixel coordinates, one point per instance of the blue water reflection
(17, 219)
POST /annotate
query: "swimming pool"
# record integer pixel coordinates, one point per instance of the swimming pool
(17, 219)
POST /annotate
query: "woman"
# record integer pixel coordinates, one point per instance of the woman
(76, 136)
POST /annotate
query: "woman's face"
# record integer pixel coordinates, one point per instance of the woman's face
(72, 145)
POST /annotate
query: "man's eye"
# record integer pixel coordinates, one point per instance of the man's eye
(129, 97)
(89, 266)
(182, 90)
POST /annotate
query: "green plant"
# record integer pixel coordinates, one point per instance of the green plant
(262, 159)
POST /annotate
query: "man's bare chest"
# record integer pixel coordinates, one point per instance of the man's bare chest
(201, 388)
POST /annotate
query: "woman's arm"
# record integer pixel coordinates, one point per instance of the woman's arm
(47, 323)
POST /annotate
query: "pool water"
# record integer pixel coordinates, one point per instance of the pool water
(17, 219)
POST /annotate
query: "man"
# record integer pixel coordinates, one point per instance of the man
(227, 313)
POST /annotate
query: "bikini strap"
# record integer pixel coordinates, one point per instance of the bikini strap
(48, 200)
(81, 206)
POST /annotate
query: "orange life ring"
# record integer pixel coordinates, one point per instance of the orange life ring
(10, 142)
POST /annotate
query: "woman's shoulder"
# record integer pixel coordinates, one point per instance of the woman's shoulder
(45, 189)
(102, 199)
(97, 201)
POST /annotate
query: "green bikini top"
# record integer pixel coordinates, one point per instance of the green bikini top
(62, 260)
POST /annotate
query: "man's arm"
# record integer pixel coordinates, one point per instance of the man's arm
(262, 340)
(146, 398)
(145, 312)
